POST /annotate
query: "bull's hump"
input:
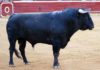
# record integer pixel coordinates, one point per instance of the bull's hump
(56, 12)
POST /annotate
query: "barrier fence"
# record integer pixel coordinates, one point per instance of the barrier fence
(7, 8)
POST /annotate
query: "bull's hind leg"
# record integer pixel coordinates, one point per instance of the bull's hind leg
(12, 42)
(22, 44)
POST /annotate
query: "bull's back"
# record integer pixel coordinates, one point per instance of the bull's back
(28, 26)
(34, 27)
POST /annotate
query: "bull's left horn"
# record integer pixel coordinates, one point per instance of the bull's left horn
(82, 11)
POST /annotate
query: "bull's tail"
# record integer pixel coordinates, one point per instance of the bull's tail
(17, 53)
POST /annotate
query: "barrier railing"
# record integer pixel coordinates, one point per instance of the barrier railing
(8, 8)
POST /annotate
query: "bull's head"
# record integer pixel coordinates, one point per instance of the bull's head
(85, 20)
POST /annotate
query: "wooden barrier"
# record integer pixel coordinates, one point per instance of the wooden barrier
(45, 6)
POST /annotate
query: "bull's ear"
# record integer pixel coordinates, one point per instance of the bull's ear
(81, 11)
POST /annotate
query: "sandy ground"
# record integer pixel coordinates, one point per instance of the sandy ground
(82, 52)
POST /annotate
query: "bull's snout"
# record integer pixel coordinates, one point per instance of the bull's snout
(91, 27)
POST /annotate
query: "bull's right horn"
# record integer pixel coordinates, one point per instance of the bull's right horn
(82, 11)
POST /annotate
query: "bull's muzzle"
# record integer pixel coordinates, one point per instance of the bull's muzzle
(91, 27)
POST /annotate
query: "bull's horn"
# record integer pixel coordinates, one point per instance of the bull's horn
(82, 11)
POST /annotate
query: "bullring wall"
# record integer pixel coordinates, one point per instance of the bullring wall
(45, 6)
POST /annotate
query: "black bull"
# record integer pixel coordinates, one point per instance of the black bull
(55, 28)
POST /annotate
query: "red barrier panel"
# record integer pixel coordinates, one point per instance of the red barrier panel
(6, 9)
(45, 6)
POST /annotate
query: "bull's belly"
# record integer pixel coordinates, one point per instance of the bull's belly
(43, 38)
(34, 40)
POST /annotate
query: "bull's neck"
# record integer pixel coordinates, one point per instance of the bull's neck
(70, 32)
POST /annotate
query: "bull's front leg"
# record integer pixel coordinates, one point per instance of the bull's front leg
(56, 50)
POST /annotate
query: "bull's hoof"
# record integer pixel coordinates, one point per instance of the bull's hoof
(27, 63)
(56, 67)
(11, 63)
